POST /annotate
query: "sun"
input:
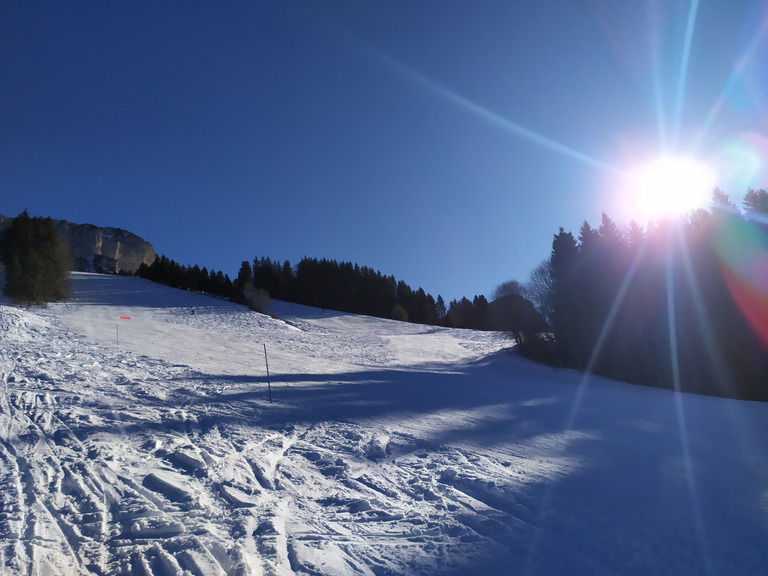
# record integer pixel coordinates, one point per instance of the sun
(669, 187)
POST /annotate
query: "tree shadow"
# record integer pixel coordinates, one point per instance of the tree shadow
(637, 481)
(628, 479)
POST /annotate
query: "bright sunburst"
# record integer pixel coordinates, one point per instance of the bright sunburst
(670, 186)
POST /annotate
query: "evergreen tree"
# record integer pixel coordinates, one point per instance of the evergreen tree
(589, 241)
(678, 305)
(635, 235)
(721, 203)
(564, 262)
(244, 276)
(756, 205)
(482, 315)
(430, 311)
(440, 308)
(36, 259)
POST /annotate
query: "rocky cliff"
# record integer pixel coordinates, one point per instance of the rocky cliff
(95, 249)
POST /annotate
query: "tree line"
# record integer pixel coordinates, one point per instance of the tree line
(327, 284)
(681, 304)
(193, 278)
(348, 287)
(37, 263)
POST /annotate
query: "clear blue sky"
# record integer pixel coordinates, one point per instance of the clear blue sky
(443, 142)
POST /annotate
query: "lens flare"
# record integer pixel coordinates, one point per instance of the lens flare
(743, 250)
(741, 161)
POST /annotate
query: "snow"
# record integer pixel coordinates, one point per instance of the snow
(148, 446)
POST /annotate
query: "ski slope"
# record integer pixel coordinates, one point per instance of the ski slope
(148, 446)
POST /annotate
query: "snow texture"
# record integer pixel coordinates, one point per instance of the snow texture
(148, 446)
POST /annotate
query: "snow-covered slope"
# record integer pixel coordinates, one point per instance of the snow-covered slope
(148, 446)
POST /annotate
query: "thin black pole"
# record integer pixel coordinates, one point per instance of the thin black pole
(269, 386)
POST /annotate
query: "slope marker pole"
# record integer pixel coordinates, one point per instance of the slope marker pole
(269, 386)
(117, 331)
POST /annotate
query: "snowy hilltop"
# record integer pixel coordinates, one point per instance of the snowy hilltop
(137, 437)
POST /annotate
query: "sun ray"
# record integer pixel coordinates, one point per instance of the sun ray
(488, 115)
(743, 252)
(680, 410)
(654, 48)
(615, 307)
(682, 77)
(702, 317)
(741, 64)
(575, 407)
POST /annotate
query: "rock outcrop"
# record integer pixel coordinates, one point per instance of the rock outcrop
(112, 250)
(95, 249)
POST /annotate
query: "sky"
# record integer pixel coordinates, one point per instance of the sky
(442, 142)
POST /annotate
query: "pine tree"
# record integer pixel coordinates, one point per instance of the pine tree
(635, 235)
(721, 203)
(756, 205)
(483, 319)
(564, 261)
(37, 260)
(244, 276)
(440, 307)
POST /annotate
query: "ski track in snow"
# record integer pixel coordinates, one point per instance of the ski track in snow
(148, 446)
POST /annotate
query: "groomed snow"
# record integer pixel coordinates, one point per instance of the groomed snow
(148, 446)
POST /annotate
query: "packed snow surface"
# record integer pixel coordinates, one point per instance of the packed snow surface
(137, 437)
